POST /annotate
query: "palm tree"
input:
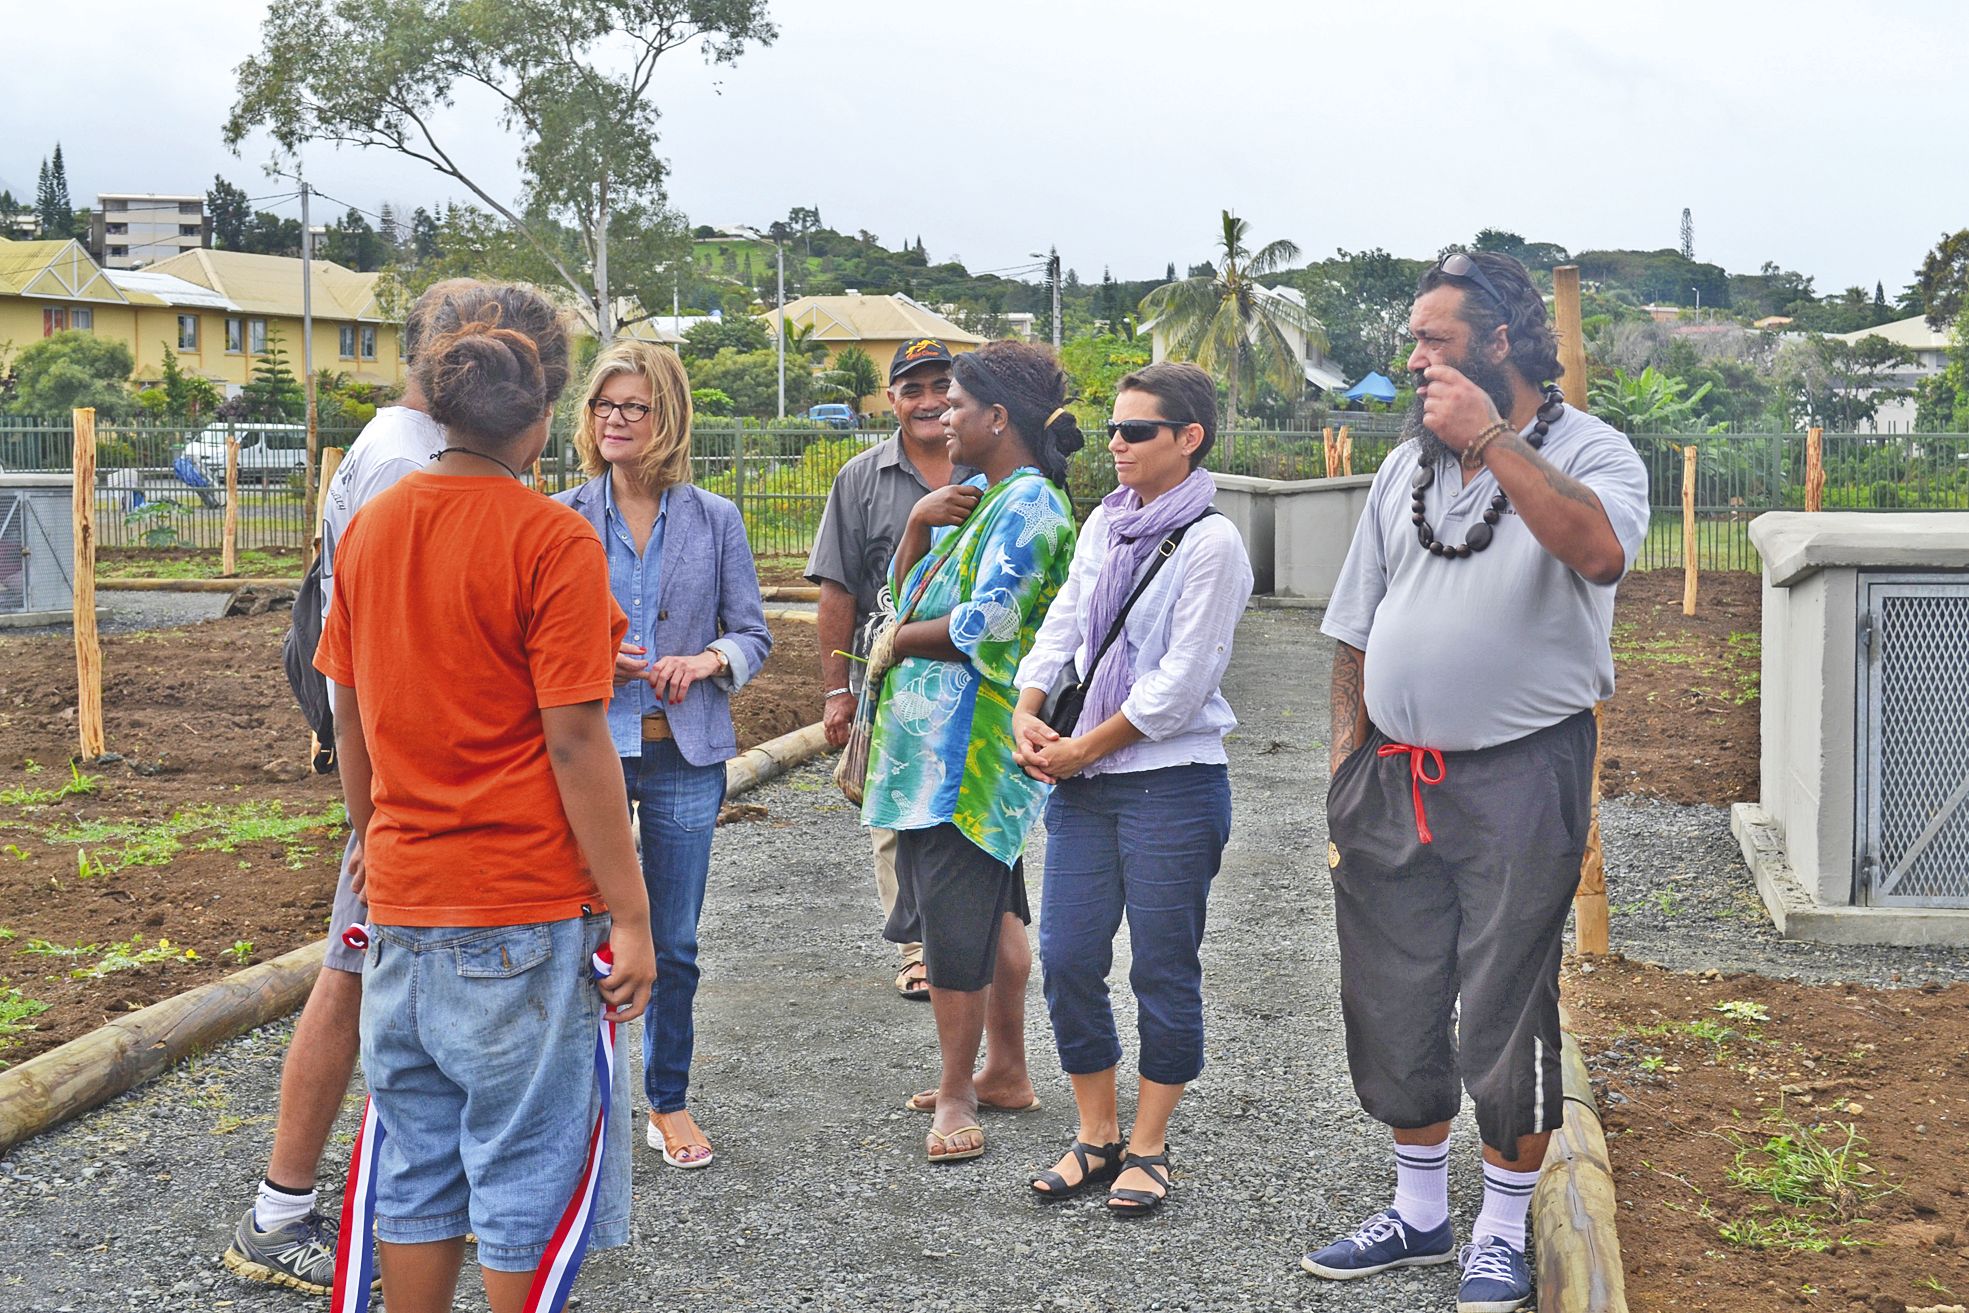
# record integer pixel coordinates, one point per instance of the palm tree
(852, 376)
(803, 341)
(1230, 324)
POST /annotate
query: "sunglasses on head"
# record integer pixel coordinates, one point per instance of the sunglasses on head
(1460, 265)
(1141, 430)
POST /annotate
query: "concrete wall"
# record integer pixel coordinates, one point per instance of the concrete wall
(1807, 713)
(1297, 533)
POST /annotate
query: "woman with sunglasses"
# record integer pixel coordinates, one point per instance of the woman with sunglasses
(681, 570)
(1138, 822)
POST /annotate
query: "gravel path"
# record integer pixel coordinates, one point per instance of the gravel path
(820, 1198)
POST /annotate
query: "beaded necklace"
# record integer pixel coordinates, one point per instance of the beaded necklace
(1480, 533)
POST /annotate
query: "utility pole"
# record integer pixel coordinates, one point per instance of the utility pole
(779, 251)
(604, 303)
(1053, 274)
(308, 499)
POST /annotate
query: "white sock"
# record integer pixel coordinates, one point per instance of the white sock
(1422, 1184)
(275, 1207)
(1507, 1198)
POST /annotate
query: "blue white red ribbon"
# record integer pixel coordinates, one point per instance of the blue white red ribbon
(553, 1280)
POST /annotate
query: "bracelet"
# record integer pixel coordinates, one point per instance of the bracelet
(1473, 454)
(833, 693)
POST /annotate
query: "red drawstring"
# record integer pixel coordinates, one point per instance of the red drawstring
(1417, 777)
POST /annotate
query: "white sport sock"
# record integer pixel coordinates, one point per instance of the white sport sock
(275, 1207)
(1507, 1198)
(1422, 1184)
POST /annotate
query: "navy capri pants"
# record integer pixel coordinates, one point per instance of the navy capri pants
(1145, 844)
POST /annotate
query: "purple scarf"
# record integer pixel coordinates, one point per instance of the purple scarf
(1134, 533)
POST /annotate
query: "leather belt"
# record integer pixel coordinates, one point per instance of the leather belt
(656, 727)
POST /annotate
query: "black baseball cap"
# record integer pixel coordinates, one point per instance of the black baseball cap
(918, 351)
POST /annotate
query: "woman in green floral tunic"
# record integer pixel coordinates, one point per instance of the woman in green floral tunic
(987, 557)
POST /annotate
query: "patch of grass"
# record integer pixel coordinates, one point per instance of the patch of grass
(16, 1010)
(254, 563)
(6, 934)
(76, 785)
(48, 948)
(1810, 1184)
(225, 829)
(123, 957)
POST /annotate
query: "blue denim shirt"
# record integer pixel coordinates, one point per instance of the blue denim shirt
(637, 582)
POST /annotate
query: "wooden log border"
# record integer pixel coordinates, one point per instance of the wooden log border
(88, 1071)
(1573, 1207)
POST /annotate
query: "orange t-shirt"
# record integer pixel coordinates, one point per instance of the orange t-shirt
(462, 607)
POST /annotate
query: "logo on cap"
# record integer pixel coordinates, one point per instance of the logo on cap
(922, 346)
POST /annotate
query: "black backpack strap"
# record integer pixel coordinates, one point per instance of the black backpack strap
(1163, 552)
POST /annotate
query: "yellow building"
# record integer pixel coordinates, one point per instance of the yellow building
(217, 310)
(876, 324)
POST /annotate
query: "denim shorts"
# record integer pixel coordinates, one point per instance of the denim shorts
(478, 1045)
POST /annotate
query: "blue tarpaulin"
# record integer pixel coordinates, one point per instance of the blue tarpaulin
(1375, 387)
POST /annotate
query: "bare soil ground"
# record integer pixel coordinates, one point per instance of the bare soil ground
(1682, 725)
(206, 845)
(1778, 1145)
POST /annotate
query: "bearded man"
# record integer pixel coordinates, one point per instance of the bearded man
(1473, 618)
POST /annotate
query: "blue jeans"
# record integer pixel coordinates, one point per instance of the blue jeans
(478, 1044)
(677, 807)
(1148, 844)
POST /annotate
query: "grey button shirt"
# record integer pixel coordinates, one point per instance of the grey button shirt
(866, 510)
(1471, 653)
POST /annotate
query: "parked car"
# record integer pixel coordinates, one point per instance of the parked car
(268, 453)
(834, 414)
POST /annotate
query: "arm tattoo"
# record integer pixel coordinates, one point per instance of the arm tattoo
(1557, 480)
(1350, 723)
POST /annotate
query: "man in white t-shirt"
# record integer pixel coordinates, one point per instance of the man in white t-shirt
(282, 1240)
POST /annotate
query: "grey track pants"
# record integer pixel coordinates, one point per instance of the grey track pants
(1477, 913)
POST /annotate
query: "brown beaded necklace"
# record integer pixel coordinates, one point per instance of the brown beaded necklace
(1480, 533)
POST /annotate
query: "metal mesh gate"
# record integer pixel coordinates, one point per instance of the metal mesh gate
(1914, 740)
(13, 553)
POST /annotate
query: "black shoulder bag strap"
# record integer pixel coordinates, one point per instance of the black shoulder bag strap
(1163, 552)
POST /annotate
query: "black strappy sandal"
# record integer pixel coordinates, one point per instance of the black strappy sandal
(1056, 1186)
(1134, 1203)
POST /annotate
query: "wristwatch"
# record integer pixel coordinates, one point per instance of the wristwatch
(724, 662)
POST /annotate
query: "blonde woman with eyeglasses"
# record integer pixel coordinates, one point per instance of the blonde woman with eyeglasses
(680, 568)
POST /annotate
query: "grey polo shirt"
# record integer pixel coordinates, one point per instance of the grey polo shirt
(866, 510)
(1475, 652)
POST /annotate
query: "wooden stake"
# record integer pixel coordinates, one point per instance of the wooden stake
(1572, 1207)
(1689, 529)
(1332, 453)
(1346, 444)
(331, 460)
(538, 486)
(1589, 904)
(1589, 901)
(1815, 469)
(229, 544)
(88, 648)
(1572, 334)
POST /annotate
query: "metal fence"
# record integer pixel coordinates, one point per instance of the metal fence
(779, 473)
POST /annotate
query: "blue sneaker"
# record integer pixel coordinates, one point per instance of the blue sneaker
(1496, 1278)
(1382, 1242)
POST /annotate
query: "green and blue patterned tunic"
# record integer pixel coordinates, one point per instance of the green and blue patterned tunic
(942, 745)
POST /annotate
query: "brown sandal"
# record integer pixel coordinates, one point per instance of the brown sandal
(674, 1141)
(919, 990)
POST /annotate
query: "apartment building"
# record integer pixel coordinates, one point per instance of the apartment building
(133, 231)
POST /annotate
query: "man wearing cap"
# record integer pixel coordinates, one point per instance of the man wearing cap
(866, 511)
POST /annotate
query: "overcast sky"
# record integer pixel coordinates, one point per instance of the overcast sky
(1825, 136)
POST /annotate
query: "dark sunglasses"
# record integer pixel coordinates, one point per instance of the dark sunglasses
(1141, 430)
(632, 411)
(1460, 265)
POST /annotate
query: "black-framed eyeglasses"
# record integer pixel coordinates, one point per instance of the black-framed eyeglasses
(1141, 430)
(1460, 265)
(631, 411)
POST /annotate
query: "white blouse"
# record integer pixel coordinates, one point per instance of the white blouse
(1180, 631)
